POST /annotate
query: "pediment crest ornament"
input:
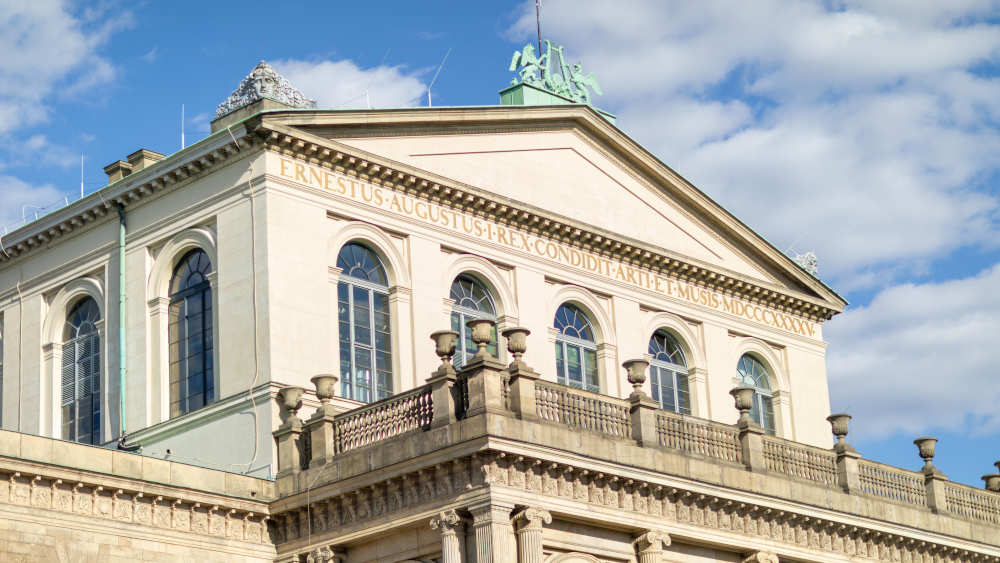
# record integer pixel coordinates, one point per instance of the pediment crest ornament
(263, 82)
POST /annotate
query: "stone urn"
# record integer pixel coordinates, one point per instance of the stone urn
(636, 373)
(324, 384)
(482, 333)
(290, 399)
(517, 343)
(444, 347)
(992, 482)
(743, 396)
(838, 424)
(925, 446)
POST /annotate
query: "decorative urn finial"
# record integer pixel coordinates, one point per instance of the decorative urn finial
(324, 383)
(290, 399)
(482, 334)
(838, 424)
(444, 347)
(636, 373)
(517, 344)
(925, 446)
(743, 397)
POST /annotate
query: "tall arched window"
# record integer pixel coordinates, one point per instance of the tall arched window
(472, 301)
(753, 373)
(81, 374)
(192, 371)
(576, 349)
(365, 330)
(668, 373)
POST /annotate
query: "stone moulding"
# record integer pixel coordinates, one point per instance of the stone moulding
(345, 509)
(244, 521)
(263, 82)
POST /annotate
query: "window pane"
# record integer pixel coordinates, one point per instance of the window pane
(362, 375)
(683, 394)
(574, 370)
(560, 364)
(667, 386)
(362, 321)
(768, 412)
(590, 367)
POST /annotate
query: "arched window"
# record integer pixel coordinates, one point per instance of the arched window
(668, 373)
(192, 371)
(81, 374)
(753, 373)
(472, 301)
(365, 330)
(576, 350)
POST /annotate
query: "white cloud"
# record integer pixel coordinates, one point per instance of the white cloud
(342, 84)
(19, 199)
(858, 132)
(55, 53)
(920, 356)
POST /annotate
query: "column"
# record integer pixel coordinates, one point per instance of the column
(528, 524)
(494, 534)
(448, 523)
(649, 546)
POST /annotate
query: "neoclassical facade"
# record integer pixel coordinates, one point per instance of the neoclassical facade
(259, 305)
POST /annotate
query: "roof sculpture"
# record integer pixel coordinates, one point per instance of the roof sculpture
(566, 81)
(263, 82)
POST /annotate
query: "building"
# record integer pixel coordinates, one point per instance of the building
(180, 323)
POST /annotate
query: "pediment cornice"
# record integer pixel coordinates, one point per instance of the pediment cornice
(339, 157)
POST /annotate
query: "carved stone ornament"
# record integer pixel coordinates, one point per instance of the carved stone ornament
(531, 518)
(446, 521)
(652, 540)
(263, 82)
(761, 557)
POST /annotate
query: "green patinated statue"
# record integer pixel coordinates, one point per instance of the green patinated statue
(567, 81)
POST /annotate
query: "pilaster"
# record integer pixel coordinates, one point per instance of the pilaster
(494, 533)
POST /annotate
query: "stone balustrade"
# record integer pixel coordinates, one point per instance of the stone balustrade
(486, 387)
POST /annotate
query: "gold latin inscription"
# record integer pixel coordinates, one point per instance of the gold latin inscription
(516, 239)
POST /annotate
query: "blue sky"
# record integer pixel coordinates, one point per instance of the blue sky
(867, 132)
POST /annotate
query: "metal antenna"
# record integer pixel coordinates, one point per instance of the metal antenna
(538, 22)
(81, 175)
(368, 100)
(440, 66)
(182, 126)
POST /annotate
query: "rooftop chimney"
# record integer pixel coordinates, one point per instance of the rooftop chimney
(136, 162)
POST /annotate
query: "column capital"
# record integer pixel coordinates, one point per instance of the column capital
(447, 522)
(761, 557)
(531, 518)
(651, 540)
(491, 510)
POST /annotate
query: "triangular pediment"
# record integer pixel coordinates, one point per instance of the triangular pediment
(571, 163)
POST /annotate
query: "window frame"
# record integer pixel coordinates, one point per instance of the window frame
(674, 370)
(563, 343)
(465, 314)
(94, 370)
(762, 412)
(207, 332)
(348, 383)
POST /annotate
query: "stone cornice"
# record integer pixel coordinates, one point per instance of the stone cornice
(164, 175)
(378, 170)
(582, 491)
(112, 497)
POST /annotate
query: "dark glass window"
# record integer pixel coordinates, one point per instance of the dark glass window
(472, 301)
(576, 350)
(81, 374)
(192, 377)
(668, 373)
(753, 373)
(364, 325)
